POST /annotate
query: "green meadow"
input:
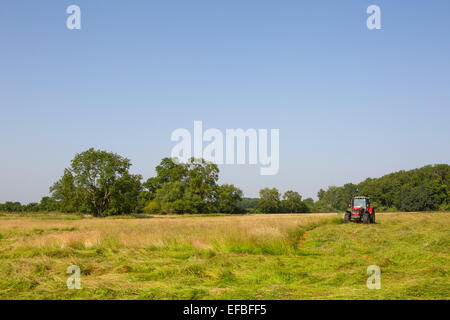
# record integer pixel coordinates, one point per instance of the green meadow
(285, 256)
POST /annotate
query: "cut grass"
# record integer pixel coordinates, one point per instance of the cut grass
(224, 257)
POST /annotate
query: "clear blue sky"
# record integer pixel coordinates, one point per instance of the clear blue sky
(350, 103)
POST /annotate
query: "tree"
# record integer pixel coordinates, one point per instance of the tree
(309, 202)
(269, 200)
(96, 172)
(48, 204)
(322, 206)
(333, 197)
(419, 199)
(98, 182)
(292, 203)
(168, 194)
(183, 188)
(228, 198)
(125, 194)
(169, 170)
(201, 183)
(9, 206)
(65, 193)
(321, 194)
(150, 187)
(248, 204)
(31, 207)
(152, 207)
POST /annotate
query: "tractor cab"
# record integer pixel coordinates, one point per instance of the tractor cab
(360, 202)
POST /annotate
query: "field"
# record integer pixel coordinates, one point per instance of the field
(313, 256)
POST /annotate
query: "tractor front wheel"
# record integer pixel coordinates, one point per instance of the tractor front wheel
(347, 217)
(366, 218)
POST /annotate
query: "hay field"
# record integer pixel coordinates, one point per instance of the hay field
(289, 256)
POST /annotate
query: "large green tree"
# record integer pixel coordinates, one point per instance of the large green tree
(182, 187)
(228, 198)
(269, 200)
(201, 183)
(292, 203)
(98, 182)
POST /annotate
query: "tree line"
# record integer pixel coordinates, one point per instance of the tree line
(100, 183)
(422, 189)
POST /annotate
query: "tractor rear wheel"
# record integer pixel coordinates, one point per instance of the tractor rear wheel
(372, 218)
(347, 217)
(366, 218)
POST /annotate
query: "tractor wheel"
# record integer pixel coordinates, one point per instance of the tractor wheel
(347, 218)
(372, 218)
(366, 218)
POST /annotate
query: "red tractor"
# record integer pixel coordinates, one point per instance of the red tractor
(360, 211)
